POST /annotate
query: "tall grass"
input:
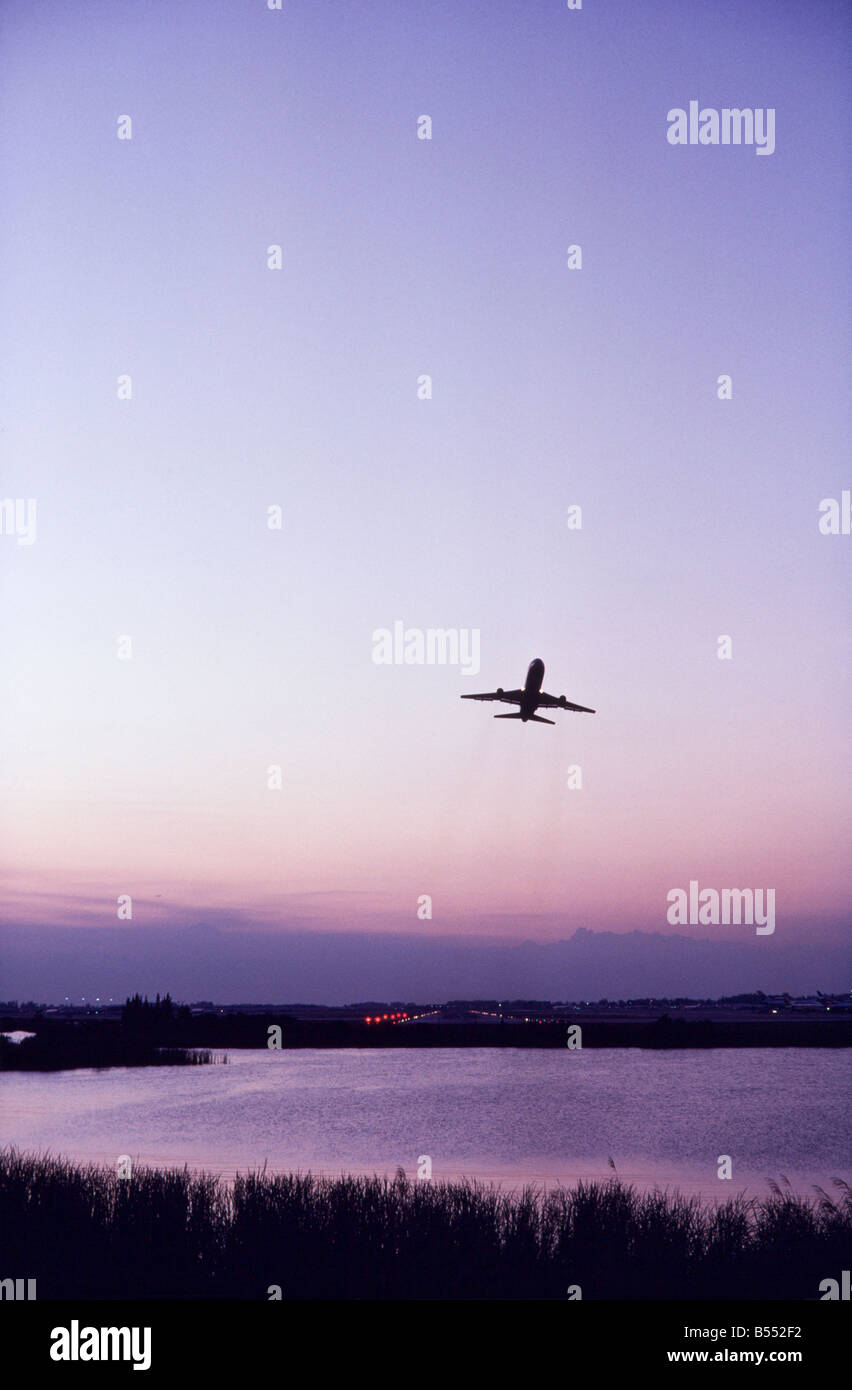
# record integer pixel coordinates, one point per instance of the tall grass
(83, 1232)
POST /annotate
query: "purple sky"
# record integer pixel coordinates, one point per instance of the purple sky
(297, 387)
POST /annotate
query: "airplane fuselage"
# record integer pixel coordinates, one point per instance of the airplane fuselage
(532, 689)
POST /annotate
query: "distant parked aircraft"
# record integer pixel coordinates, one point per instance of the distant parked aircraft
(531, 698)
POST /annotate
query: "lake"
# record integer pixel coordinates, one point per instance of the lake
(507, 1115)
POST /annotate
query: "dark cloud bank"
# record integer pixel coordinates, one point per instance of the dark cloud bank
(211, 961)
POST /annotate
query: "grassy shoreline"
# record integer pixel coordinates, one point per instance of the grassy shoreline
(59, 1044)
(84, 1233)
(69, 1051)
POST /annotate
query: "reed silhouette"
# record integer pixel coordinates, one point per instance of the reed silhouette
(86, 1233)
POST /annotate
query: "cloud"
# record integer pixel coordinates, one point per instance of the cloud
(221, 956)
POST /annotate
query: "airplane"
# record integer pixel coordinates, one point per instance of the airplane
(531, 698)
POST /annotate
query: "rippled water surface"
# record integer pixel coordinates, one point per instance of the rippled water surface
(508, 1115)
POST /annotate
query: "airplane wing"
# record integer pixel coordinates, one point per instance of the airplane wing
(552, 702)
(508, 697)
